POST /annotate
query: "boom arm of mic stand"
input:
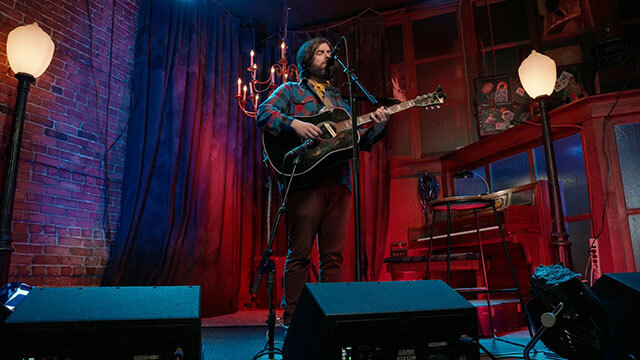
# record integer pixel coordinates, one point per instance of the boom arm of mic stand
(353, 78)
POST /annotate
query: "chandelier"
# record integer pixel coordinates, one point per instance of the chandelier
(248, 95)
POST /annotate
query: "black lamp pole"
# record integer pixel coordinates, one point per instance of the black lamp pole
(9, 177)
(559, 237)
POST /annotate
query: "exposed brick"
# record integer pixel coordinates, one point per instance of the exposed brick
(66, 270)
(23, 270)
(71, 260)
(81, 251)
(57, 250)
(45, 259)
(22, 259)
(67, 241)
(56, 134)
(43, 239)
(27, 249)
(49, 229)
(60, 191)
(38, 270)
(53, 210)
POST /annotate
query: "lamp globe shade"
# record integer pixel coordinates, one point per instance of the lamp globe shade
(29, 50)
(538, 74)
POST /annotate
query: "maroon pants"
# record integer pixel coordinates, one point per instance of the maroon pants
(323, 209)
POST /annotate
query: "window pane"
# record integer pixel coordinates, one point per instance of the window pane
(634, 227)
(448, 72)
(571, 173)
(399, 134)
(434, 36)
(510, 172)
(396, 47)
(627, 136)
(399, 124)
(579, 235)
(508, 19)
(507, 60)
(443, 129)
(472, 186)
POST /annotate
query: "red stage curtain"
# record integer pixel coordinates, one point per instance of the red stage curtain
(194, 194)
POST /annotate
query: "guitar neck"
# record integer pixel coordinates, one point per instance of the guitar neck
(366, 118)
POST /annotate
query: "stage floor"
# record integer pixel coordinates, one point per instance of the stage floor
(244, 334)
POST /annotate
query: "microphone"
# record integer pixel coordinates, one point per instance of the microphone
(334, 54)
(297, 150)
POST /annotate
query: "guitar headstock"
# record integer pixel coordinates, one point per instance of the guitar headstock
(431, 100)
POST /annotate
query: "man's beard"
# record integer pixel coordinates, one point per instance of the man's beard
(325, 73)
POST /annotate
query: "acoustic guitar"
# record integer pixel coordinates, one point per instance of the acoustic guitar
(333, 147)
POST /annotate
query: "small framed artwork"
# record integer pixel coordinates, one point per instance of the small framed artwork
(501, 103)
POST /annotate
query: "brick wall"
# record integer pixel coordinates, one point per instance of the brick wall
(59, 226)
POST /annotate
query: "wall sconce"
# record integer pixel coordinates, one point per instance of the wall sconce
(29, 50)
(538, 77)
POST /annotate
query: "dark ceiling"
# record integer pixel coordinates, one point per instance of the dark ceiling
(305, 13)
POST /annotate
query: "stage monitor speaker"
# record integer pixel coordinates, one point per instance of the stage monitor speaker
(620, 296)
(381, 320)
(105, 323)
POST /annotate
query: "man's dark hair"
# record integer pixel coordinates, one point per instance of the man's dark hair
(304, 58)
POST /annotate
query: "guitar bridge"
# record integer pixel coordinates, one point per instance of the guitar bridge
(330, 129)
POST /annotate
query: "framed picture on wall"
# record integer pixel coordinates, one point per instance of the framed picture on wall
(501, 103)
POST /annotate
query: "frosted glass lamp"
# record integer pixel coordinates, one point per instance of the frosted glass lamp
(538, 77)
(538, 74)
(29, 50)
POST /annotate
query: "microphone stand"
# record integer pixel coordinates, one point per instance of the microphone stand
(268, 266)
(352, 80)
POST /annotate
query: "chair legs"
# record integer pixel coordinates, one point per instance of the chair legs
(485, 290)
(433, 221)
(513, 272)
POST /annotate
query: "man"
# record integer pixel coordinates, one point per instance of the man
(322, 208)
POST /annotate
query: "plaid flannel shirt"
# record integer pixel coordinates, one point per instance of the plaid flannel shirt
(293, 99)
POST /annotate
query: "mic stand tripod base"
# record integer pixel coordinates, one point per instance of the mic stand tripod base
(270, 349)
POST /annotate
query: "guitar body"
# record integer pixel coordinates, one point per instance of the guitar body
(332, 148)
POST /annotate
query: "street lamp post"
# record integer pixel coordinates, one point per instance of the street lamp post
(538, 77)
(29, 50)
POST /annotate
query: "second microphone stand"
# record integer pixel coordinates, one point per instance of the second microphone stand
(268, 266)
(352, 80)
